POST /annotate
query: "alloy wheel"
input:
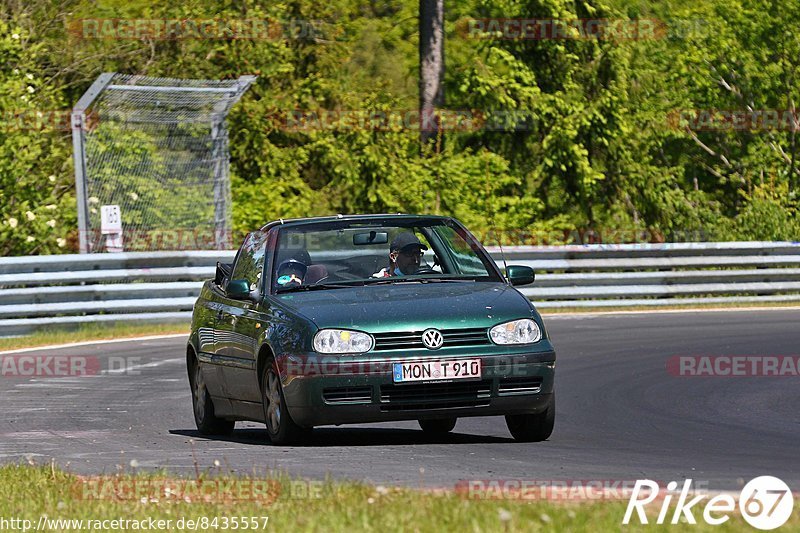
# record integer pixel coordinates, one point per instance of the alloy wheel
(199, 394)
(273, 394)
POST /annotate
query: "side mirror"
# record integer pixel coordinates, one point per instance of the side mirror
(520, 275)
(238, 289)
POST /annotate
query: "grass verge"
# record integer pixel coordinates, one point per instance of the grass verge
(90, 332)
(292, 505)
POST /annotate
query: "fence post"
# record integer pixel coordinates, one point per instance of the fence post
(79, 154)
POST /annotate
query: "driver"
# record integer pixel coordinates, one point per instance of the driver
(405, 253)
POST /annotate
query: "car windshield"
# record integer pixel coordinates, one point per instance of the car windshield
(343, 253)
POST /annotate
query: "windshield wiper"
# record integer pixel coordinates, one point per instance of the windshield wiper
(372, 281)
(319, 287)
(404, 279)
(442, 280)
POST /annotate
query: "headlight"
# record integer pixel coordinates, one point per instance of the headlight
(524, 331)
(341, 341)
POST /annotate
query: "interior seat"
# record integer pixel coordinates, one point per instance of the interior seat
(314, 274)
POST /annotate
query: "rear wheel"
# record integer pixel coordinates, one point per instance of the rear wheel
(533, 428)
(204, 418)
(280, 426)
(438, 426)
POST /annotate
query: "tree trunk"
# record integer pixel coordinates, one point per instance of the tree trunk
(431, 71)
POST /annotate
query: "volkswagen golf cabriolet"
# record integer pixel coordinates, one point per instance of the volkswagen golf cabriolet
(368, 318)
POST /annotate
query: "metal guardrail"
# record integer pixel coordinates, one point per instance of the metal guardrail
(45, 291)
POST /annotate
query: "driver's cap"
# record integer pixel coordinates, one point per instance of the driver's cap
(292, 266)
(404, 240)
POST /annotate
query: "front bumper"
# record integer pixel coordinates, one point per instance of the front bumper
(349, 390)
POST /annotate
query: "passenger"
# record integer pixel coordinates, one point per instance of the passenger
(290, 273)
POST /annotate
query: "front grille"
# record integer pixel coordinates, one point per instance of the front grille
(408, 340)
(347, 395)
(419, 396)
(523, 385)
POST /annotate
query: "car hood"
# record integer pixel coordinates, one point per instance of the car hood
(410, 306)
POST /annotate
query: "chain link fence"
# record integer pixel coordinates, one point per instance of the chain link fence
(158, 149)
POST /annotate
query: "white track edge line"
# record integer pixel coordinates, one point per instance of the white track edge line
(589, 314)
(90, 343)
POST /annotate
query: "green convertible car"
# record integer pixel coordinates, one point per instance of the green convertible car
(368, 318)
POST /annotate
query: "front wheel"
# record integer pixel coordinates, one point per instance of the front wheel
(438, 426)
(204, 418)
(533, 428)
(280, 426)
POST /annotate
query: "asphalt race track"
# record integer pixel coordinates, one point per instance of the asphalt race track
(621, 415)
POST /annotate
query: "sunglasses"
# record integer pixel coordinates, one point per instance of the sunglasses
(412, 253)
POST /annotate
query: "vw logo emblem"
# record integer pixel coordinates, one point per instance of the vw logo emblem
(432, 339)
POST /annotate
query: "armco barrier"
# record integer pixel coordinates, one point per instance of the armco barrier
(39, 292)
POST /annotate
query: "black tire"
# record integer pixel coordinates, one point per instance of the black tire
(204, 418)
(533, 428)
(437, 426)
(280, 426)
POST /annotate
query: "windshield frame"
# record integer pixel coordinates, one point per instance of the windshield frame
(494, 273)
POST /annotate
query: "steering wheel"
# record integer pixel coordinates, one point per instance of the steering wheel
(425, 269)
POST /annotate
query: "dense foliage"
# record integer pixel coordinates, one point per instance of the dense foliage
(557, 135)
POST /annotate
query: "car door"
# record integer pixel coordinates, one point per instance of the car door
(205, 316)
(238, 326)
(212, 311)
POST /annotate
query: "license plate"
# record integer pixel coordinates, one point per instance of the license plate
(436, 370)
